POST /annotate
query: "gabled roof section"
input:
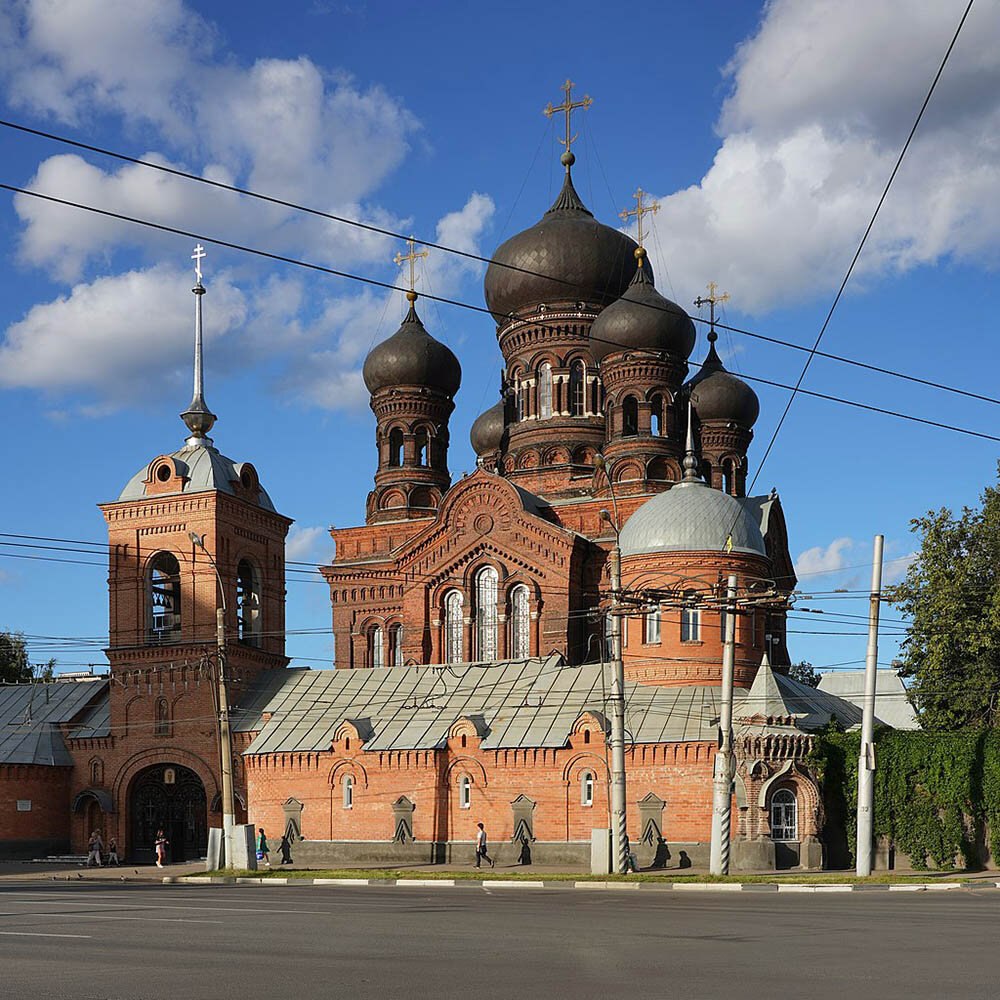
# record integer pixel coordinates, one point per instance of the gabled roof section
(764, 702)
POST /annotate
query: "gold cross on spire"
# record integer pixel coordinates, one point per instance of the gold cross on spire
(413, 256)
(568, 107)
(641, 209)
(712, 300)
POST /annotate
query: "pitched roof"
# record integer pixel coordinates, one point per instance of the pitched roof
(892, 705)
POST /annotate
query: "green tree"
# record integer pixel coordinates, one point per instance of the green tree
(804, 673)
(952, 594)
(14, 664)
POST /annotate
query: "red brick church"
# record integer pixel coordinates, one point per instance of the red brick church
(470, 619)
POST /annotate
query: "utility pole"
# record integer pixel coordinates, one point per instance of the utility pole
(722, 780)
(866, 759)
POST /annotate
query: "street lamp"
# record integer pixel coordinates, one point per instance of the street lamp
(617, 696)
(225, 735)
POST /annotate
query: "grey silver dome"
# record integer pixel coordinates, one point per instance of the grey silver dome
(571, 256)
(411, 356)
(642, 320)
(719, 395)
(488, 429)
(692, 517)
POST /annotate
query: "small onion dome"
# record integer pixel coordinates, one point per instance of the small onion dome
(567, 257)
(642, 320)
(488, 430)
(692, 517)
(718, 395)
(411, 356)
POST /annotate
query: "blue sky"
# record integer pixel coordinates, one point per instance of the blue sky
(767, 133)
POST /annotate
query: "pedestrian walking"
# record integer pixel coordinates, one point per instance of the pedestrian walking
(262, 848)
(482, 847)
(113, 852)
(161, 848)
(286, 850)
(94, 848)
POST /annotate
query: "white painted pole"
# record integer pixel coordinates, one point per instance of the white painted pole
(866, 758)
(617, 699)
(722, 779)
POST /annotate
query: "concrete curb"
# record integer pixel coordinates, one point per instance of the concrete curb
(450, 883)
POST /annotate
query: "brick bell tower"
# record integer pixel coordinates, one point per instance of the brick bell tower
(191, 529)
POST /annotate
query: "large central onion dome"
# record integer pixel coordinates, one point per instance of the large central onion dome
(565, 258)
(642, 320)
(411, 356)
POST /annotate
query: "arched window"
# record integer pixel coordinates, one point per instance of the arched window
(486, 613)
(348, 792)
(161, 724)
(520, 623)
(248, 602)
(396, 645)
(164, 598)
(587, 788)
(576, 388)
(545, 391)
(784, 815)
(465, 792)
(395, 447)
(656, 415)
(422, 446)
(652, 626)
(453, 611)
(519, 395)
(630, 416)
(376, 649)
(690, 619)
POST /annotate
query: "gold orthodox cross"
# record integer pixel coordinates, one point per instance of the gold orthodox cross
(413, 256)
(568, 107)
(641, 209)
(712, 300)
(198, 256)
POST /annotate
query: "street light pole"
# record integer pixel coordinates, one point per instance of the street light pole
(722, 779)
(225, 734)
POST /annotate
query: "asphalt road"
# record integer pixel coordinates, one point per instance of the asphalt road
(150, 942)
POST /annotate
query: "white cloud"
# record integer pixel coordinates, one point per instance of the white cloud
(825, 559)
(308, 544)
(896, 567)
(823, 95)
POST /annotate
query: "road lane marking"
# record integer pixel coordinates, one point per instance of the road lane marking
(40, 934)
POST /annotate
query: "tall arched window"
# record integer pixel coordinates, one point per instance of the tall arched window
(545, 391)
(576, 388)
(486, 613)
(520, 623)
(422, 446)
(348, 792)
(784, 815)
(587, 788)
(453, 611)
(630, 416)
(396, 645)
(656, 415)
(376, 648)
(164, 609)
(248, 602)
(519, 396)
(465, 792)
(690, 619)
(395, 447)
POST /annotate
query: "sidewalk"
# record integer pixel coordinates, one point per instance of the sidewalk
(43, 871)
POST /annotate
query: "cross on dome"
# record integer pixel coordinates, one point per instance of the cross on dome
(412, 257)
(713, 299)
(568, 107)
(641, 208)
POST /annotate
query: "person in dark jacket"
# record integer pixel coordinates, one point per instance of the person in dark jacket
(286, 850)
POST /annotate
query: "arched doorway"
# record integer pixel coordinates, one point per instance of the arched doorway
(171, 798)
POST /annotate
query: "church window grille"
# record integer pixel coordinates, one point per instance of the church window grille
(453, 611)
(248, 602)
(630, 416)
(164, 598)
(545, 391)
(520, 623)
(349, 792)
(465, 792)
(576, 389)
(376, 650)
(656, 416)
(784, 815)
(587, 788)
(396, 645)
(395, 448)
(486, 613)
(652, 621)
(690, 620)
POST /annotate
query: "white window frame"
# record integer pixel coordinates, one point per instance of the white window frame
(690, 622)
(652, 631)
(784, 816)
(544, 391)
(587, 788)
(376, 646)
(520, 623)
(454, 626)
(396, 644)
(465, 792)
(487, 585)
(348, 784)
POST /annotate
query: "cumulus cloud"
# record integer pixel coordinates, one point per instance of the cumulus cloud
(825, 559)
(308, 544)
(822, 97)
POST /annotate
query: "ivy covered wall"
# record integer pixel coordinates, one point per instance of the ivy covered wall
(937, 795)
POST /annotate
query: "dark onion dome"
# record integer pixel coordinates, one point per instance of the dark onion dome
(718, 395)
(642, 320)
(488, 429)
(411, 356)
(573, 258)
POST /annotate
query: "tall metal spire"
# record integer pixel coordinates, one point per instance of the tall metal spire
(691, 476)
(198, 417)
